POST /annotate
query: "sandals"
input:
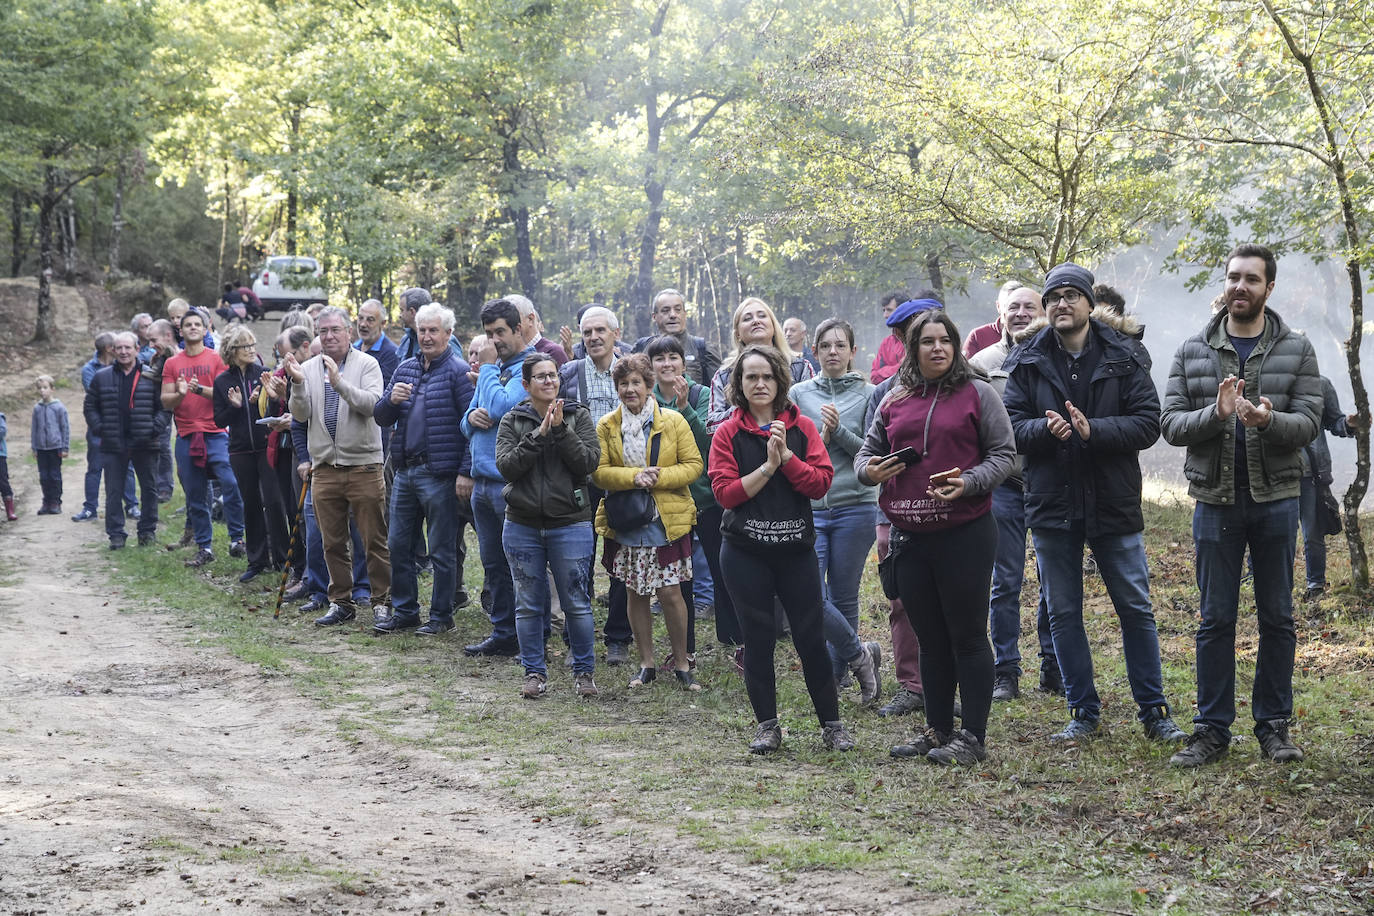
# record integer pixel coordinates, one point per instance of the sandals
(643, 678)
(686, 681)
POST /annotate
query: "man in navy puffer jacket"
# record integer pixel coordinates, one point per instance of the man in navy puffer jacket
(426, 399)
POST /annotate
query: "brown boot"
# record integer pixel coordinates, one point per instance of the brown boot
(9, 509)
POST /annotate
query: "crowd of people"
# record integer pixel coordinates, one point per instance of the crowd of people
(748, 489)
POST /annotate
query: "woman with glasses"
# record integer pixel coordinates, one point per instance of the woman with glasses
(238, 408)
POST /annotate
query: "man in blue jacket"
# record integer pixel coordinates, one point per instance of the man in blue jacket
(499, 388)
(426, 400)
(1083, 406)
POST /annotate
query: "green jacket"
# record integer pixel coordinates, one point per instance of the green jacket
(1283, 368)
(695, 413)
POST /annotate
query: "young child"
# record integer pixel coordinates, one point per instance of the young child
(50, 441)
(5, 492)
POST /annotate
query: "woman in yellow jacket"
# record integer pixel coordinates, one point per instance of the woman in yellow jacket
(653, 558)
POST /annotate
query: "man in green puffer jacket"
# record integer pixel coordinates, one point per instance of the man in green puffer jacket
(1244, 396)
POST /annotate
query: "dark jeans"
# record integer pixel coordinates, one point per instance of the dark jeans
(1008, 574)
(50, 474)
(1221, 534)
(5, 490)
(943, 578)
(264, 512)
(165, 465)
(489, 519)
(728, 630)
(756, 577)
(118, 467)
(1313, 541)
(95, 465)
(195, 484)
(420, 497)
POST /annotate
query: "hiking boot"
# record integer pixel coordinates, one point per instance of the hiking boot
(1076, 730)
(617, 653)
(147, 539)
(903, 702)
(1051, 681)
(836, 737)
(237, 548)
(202, 557)
(1275, 743)
(867, 672)
(926, 740)
(395, 623)
(585, 685)
(433, 627)
(962, 749)
(534, 686)
(1159, 727)
(1005, 688)
(1205, 745)
(767, 738)
(117, 543)
(338, 613)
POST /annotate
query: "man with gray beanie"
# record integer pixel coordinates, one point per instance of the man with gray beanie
(1083, 406)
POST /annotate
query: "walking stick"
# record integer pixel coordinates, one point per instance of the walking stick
(291, 541)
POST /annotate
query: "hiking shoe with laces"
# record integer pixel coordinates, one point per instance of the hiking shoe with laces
(836, 737)
(1205, 745)
(903, 702)
(867, 673)
(534, 686)
(238, 548)
(1159, 727)
(1006, 687)
(1076, 730)
(767, 738)
(1051, 681)
(586, 687)
(962, 749)
(1275, 743)
(202, 557)
(926, 740)
(617, 653)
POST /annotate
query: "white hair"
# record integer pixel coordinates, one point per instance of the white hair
(523, 305)
(435, 310)
(600, 311)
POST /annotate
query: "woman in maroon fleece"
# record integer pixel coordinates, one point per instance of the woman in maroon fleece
(943, 537)
(767, 464)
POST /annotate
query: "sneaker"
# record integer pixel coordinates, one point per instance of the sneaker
(767, 738)
(926, 740)
(1159, 727)
(903, 702)
(1005, 688)
(1205, 745)
(962, 749)
(395, 623)
(836, 737)
(1076, 730)
(1275, 743)
(237, 548)
(534, 686)
(433, 627)
(867, 672)
(301, 590)
(85, 515)
(202, 557)
(338, 613)
(617, 653)
(1314, 592)
(132, 512)
(705, 610)
(585, 685)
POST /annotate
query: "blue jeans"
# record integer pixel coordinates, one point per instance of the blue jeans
(703, 586)
(95, 466)
(489, 519)
(1313, 541)
(416, 495)
(1121, 561)
(1220, 536)
(843, 538)
(1008, 574)
(317, 571)
(195, 483)
(565, 551)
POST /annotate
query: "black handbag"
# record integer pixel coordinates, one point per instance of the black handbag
(628, 510)
(1328, 512)
(887, 567)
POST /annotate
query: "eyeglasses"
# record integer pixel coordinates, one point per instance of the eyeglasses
(327, 331)
(545, 377)
(1072, 297)
(251, 346)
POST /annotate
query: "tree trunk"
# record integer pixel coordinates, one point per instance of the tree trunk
(64, 240)
(43, 327)
(16, 232)
(936, 276)
(117, 218)
(223, 232)
(292, 198)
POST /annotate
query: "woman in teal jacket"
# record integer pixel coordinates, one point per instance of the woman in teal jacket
(835, 401)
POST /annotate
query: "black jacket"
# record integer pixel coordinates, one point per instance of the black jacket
(1097, 480)
(547, 476)
(245, 435)
(105, 410)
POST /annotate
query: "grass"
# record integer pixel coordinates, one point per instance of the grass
(1106, 826)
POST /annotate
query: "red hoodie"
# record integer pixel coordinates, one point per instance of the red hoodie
(780, 513)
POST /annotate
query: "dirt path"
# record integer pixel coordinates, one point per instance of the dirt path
(141, 773)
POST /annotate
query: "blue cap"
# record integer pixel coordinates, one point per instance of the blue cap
(911, 307)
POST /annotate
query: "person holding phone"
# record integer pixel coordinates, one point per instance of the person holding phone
(939, 445)
(545, 450)
(767, 464)
(835, 401)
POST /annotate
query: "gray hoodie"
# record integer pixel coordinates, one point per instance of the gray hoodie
(849, 393)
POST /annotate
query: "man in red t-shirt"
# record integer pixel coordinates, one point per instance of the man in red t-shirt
(202, 448)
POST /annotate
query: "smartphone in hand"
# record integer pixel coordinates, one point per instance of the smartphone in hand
(907, 456)
(940, 478)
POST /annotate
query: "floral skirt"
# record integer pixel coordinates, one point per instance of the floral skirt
(644, 570)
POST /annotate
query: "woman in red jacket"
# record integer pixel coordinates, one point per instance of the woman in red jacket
(767, 464)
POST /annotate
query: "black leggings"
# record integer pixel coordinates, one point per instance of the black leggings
(944, 578)
(755, 577)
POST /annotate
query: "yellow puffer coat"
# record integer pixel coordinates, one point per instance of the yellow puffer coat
(677, 456)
